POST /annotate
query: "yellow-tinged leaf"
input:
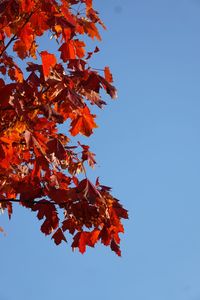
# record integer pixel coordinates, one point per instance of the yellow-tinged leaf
(20, 127)
(19, 75)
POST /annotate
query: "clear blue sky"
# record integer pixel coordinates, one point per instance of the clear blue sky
(148, 149)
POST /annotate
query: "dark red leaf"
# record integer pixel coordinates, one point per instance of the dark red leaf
(114, 247)
(58, 237)
(48, 211)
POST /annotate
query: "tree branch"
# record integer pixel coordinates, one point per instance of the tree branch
(31, 201)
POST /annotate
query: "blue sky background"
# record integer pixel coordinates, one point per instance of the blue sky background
(148, 150)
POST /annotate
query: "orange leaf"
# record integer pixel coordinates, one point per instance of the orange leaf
(108, 75)
(27, 5)
(88, 4)
(19, 75)
(33, 49)
(92, 30)
(94, 236)
(83, 123)
(39, 22)
(85, 238)
(26, 35)
(20, 48)
(66, 33)
(79, 47)
(48, 62)
(67, 51)
(7, 30)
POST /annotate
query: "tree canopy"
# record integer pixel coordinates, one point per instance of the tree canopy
(41, 168)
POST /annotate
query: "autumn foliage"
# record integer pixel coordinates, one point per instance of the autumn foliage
(41, 168)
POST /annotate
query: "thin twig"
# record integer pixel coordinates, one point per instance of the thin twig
(97, 69)
(31, 201)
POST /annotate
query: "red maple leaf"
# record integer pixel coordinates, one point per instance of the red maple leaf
(48, 211)
(83, 122)
(67, 51)
(48, 62)
(58, 236)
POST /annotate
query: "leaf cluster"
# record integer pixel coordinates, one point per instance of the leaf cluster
(39, 167)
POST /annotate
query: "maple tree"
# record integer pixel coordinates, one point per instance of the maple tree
(40, 167)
